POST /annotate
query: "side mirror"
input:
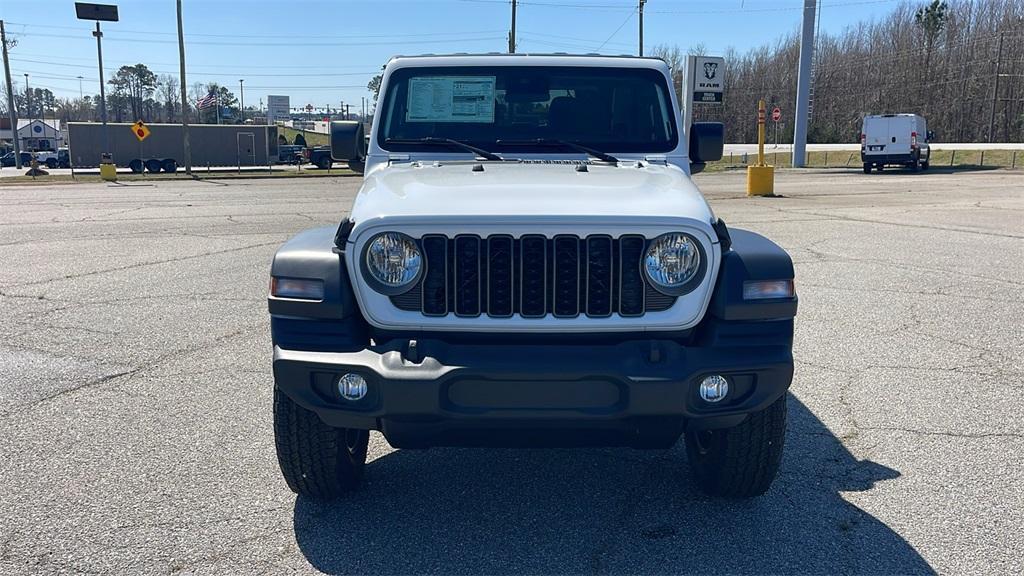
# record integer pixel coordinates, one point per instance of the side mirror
(931, 135)
(707, 142)
(348, 144)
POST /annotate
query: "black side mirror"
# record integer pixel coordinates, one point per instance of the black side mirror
(707, 143)
(931, 135)
(348, 144)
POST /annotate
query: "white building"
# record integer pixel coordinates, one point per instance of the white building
(40, 134)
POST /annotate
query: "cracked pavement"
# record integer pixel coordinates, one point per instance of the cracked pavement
(135, 392)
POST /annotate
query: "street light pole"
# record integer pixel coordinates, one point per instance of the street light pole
(103, 94)
(81, 95)
(241, 105)
(106, 13)
(642, 2)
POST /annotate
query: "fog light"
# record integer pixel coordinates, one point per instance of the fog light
(713, 388)
(352, 386)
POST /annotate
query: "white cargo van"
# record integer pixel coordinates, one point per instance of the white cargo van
(895, 139)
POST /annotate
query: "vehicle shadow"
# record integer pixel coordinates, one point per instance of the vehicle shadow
(461, 511)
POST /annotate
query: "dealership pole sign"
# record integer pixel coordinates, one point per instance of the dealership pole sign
(708, 79)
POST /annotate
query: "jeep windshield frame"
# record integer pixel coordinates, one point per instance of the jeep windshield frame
(621, 110)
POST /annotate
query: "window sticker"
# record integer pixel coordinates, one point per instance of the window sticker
(451, 99)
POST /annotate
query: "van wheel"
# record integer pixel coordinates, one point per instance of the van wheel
(316, 460)
(924, 165)
(867, 168)
(153, 165)
(741, 461)
(879, 167)
(323, 163)
(136, 166)
(51, 163)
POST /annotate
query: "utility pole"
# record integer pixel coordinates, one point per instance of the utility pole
(11, 112)
(512, 33)
(81, 95)
(642, 2)
(803, 85)
(28, 100)
(184, 99)
(995, 90)
(241, 104)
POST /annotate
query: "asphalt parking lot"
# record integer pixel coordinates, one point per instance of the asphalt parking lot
(135, 393)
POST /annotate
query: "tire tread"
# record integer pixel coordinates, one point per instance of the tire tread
(313, 456)
(745, 458)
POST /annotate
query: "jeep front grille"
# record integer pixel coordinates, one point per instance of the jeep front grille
(532, 276)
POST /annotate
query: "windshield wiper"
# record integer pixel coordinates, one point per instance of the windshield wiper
(447, 142)
(556, 142)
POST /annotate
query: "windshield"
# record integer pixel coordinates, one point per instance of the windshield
(497, 108)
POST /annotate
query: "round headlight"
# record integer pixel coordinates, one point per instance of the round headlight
(393, 261)
(671, 262)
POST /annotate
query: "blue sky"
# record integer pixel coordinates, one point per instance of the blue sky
(324, 52)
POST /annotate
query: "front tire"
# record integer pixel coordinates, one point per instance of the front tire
(317, 460)
(867, 168)
(741, 461)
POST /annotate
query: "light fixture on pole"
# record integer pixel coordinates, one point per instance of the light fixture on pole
(99, 13)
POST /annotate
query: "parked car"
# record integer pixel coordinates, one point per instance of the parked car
(8, 159)
(54, 158)
(895, 139)
(291, 154)
(320, 156)
(528, 262)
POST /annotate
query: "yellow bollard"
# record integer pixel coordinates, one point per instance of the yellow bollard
(108, 172)
(760, 177)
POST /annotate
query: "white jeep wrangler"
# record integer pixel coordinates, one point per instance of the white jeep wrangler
(528, 263)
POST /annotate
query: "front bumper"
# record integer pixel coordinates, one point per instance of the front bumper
(639, 393)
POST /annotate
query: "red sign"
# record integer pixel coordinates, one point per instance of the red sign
(776, 114)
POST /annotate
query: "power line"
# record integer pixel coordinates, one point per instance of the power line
(624, 22)
(280, 44)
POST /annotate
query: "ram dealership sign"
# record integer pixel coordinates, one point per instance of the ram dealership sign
(708, 78)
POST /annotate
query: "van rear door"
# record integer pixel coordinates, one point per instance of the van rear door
(876, 133)
(900, 128)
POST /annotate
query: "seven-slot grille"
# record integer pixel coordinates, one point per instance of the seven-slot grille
(533, 276)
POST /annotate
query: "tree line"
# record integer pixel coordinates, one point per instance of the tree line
(133, 93)
(940, 59)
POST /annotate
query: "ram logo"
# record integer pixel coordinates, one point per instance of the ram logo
(710, 69)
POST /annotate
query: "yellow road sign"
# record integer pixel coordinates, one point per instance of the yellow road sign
(140, 130)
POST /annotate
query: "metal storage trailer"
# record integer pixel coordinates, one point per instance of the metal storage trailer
(213, 145)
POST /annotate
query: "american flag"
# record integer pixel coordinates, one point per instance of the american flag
(207, 101)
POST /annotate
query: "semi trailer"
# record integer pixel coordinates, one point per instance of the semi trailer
(164, 148)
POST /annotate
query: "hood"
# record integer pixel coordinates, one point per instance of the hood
(443, 191)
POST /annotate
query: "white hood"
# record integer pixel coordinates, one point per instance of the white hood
(530, 198)
(452, 192)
